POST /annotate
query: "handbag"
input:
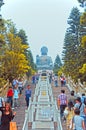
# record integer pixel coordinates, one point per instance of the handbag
(66, 112)
(13, 125)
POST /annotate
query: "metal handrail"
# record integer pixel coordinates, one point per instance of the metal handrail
(35, 105)
(25, 126)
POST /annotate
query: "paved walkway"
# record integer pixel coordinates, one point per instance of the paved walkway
(20, 111)
(56, 92)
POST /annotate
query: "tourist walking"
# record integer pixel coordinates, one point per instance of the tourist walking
(56, 80)
(80, 106)
(83, 98)
(15, 97)
(50, 78)
(62, 81)
(14, 82)
(69, 113)
(72, 97)
(78, 121)
(10, 95)
(20, 86)
(62, 102)
(7, 116)
(28, 94)
(33, 79)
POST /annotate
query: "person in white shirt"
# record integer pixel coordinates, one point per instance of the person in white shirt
(56, 80)
(20, 86)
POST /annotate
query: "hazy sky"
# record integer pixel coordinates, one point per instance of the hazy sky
(44, 21)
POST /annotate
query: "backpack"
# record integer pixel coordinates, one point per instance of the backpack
(85, 100)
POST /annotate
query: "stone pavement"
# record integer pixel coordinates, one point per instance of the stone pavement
(56, 92)
(20, 111)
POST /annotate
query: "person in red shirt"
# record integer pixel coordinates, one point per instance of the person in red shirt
(10, 95)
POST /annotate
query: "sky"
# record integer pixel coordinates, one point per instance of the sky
(44, 21)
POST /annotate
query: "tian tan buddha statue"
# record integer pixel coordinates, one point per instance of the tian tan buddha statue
(44, 61)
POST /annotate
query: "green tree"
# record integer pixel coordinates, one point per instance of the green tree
(83, 29)
(82, 2)
(57, 64)
(31, 63)
(15, 57)
(82, 59)
(71, 44)
(13, 60)
(10, 27)
(23, 36)
(2, 26)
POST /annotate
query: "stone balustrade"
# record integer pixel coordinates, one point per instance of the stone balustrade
(78, 87)
(3, 90)
(43, 112)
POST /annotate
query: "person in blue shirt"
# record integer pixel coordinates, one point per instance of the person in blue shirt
(83, 97)
(28, 94)
(78, 121)
(15, 97)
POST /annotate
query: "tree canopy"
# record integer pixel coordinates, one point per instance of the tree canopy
(14, 49)
(74, 49)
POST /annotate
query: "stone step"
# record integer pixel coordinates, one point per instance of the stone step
(42, 125)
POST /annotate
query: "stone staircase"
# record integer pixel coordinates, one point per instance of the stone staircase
(42, 112)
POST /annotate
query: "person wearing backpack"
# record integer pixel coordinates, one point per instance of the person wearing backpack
(81, 106)
(83, 98)
(72, 97)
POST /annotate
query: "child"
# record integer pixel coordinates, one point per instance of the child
(27, 95)
(15, 97)
(70, 114)
(78, 121)
(10, 95)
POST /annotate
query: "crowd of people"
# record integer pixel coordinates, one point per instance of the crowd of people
(9, 104)
(72, 110)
